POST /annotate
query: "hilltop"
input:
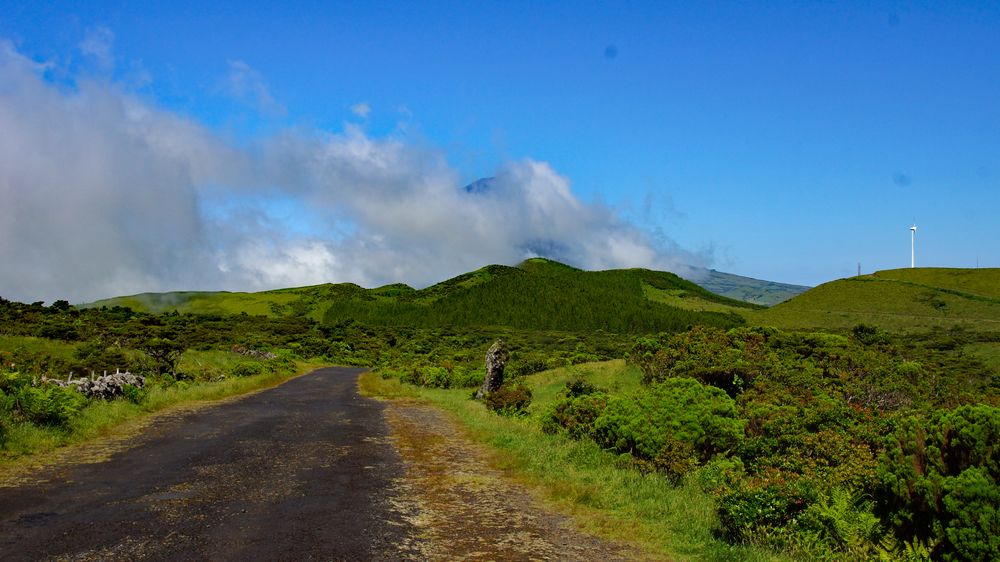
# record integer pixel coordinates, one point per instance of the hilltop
(536, 294)
(898, 300)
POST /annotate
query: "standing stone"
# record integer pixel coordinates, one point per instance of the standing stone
(496, 361)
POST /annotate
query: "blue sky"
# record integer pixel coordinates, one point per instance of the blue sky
(781, 142)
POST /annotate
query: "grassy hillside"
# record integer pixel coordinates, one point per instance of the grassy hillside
(543, 295)
(539, 294)
(310, 302)
(898, 300)
(748, 289)
(979, 282)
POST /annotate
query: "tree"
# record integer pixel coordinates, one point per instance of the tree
(164, 352)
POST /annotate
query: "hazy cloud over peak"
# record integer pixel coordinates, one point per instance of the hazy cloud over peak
(104, 194)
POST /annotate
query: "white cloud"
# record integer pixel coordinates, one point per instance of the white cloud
(246, 83)
(98, 44)
(361, 109)
(104, 194)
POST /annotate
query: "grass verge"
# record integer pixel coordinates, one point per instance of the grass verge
(598, 491)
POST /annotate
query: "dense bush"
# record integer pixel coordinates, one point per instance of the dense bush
(527, 367)
(511, 399)
(94, 356)
(248, 369)
(578, 386)
(870, 335)
(681, 410)
(21, 401)
(938, 482)
(135, 394)
(813, 471)
(433, 376)
(728, 360)
(575, 414)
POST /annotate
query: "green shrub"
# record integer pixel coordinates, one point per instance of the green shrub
(48, 405)
(435, 377)
(938, 482)
(97, 357)
(135, 394)
(575, 414)
(7, 404)
(466, 378)
(728, 360)
(509, 400)
(720, 474)
(841, 522)
(761, 510)
(411, 376)
(527, 367)
(247, 369)
(578, 386)
(676, 459)
(680, 409)
(869, 335)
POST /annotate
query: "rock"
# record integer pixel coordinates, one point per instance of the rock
(255, 353)
(496, 361)
(105, 386)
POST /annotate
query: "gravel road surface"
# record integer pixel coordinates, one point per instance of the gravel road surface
(302, 471)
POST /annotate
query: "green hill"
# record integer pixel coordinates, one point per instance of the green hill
(980, 282)
(748, 289)
(545, 295)
(898, 300)
(309, 301)
(537, 294)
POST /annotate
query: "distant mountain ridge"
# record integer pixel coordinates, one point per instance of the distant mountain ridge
(748, 289)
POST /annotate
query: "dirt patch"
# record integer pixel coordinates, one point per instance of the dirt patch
(466, 510)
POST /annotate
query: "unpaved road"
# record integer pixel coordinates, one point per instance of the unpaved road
(308, 470)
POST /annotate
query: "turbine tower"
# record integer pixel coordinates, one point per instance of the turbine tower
(913, 242)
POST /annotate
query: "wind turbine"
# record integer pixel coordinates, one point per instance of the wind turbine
(913, 243)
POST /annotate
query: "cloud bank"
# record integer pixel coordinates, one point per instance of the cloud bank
(102, 194)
